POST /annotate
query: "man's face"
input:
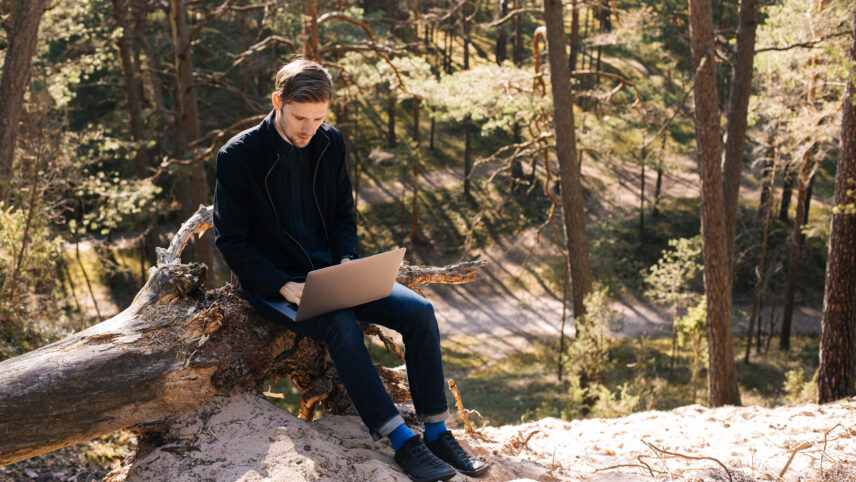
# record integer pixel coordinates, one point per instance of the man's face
(297, 122)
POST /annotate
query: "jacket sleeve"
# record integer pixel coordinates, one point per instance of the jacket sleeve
(344, 232)
(232, 232)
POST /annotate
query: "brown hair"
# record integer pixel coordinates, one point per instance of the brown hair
(304, 81)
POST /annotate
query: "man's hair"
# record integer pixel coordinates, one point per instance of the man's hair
(304, 81)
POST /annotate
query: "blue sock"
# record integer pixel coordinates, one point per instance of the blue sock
(399, 436)
(433, 430)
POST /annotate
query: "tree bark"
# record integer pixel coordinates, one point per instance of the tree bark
(738, 106)
(575, 35)
(414, 226)
(468, 123)
(796, 244)
(722, 375)
(517, 47)
(187, 125)
(787, 191)
(501, 32)
(391, 139)
(566, 151)
(173, 349)
(837, 372)
(16, 76)
(129, 77)
(767, 213)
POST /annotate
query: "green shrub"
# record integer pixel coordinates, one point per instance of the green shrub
(798, 390)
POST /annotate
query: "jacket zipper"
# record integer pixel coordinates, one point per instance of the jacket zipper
(315, 195)
(270, 199)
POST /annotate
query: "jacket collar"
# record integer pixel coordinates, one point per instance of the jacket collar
(317, 144)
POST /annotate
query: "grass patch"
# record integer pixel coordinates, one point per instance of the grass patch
(523, 386)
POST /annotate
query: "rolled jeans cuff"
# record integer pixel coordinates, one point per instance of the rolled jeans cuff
(434, 417)
(387, 427)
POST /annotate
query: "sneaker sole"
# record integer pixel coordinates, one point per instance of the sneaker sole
(475, 473)
(445, 477)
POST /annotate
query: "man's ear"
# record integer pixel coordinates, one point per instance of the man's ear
(276, 100)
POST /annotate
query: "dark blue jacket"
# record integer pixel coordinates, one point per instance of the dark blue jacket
(247, 228)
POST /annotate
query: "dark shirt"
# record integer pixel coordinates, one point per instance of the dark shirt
(292, 186)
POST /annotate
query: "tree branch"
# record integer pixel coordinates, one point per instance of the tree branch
(511, 14)
(806, 45)
(221, 134)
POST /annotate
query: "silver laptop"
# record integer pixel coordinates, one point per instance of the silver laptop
(344, 285)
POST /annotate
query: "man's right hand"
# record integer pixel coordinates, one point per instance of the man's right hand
(292, 291)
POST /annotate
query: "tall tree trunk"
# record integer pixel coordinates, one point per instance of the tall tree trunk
(391, 140)
(310, 31)
(566, 151)
(796, 244)
(129, 77)
(787, 188)
(765, 202)
(152, 82)
(767, 213)
(187, 126)
(517, 48)
(837, 372)
(722, 375)
(575, 34)
(808, 192)
(16, 76)
(738, 105)
(642, 199)
(501, 32)
(516, 138)
(414, 228)
(468, 155)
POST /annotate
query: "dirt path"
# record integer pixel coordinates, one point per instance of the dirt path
(505, 315)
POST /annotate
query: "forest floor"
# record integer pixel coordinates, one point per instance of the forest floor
(245, 438)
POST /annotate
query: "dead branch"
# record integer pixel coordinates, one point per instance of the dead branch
(390, 345)
(511, 15)
(171, 350)
(460, 404)
(454, 274)
(794, 452)
(217, 13)
(270, 41)
(806, 45)
(690, 457)
(345, 18)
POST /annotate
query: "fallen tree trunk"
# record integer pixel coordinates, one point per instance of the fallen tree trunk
(172, 349)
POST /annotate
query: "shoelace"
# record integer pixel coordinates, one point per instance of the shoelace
(421, 453)
(456, 447)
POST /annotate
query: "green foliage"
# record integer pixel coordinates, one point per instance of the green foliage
(670, 280)
(847, 207)
(27, 299)
(588, 353)
(113, 203)
(617, 255)
(692, 330)
(798, 390)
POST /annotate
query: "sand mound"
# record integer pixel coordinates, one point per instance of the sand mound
(248, 439)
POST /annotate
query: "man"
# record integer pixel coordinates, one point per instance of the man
(283, 206)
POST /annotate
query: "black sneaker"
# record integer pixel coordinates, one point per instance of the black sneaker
(419, 463)
(451, 452)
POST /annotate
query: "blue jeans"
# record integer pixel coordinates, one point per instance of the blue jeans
(403, 311)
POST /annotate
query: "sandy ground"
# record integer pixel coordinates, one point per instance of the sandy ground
(245, 438)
